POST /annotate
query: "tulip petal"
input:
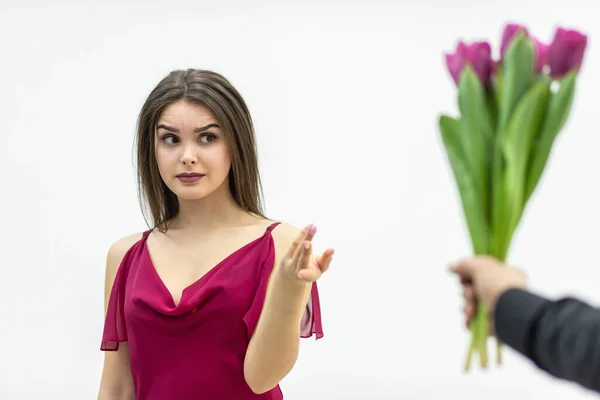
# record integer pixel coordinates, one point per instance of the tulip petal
(509, 32)
(479, 55)
(455, 62)
(566, 52)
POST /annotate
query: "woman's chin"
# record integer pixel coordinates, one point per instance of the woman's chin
(195, 191)
(190, 194)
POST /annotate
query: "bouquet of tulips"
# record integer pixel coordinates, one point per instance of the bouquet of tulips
(510, 113)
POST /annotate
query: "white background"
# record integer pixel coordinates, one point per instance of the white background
(345, 96)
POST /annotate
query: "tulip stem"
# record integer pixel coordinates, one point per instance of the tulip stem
(498, 352)
(483, 353)
(472, 345)
(478, 343)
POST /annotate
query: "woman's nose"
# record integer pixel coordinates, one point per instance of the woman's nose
(189, 158)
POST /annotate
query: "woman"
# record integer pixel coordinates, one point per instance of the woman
(211, 302)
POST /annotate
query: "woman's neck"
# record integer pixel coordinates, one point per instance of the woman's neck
(214, 211)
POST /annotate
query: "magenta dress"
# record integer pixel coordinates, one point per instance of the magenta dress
(195, 350)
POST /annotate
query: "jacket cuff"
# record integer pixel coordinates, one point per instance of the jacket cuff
(514, 316)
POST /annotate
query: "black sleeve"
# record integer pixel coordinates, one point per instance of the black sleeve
(561, 337)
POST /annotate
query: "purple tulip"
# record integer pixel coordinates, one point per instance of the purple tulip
(541, 49)
(509, 32)
(477, 54)
(566, 52)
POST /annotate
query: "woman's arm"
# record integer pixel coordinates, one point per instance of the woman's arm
(273, 348)
(116, 382)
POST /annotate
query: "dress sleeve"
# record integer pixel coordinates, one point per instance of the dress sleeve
(115, 328)
(311, 320)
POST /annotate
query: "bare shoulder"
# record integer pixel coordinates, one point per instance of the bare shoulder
(117, 250)
(286, 231)
(284, 235)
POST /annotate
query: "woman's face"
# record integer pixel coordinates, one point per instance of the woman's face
(192, 156)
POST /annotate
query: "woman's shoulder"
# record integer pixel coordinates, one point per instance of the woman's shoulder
(120, 247)
(115, 256)
(285, 231)
(284, 235)
(279, 230)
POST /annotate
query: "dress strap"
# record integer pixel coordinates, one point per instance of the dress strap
(271, 227)
(146, 233)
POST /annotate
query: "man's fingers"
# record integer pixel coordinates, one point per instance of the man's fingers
(467, 265)
(469, 309)
(469, 293)
(464, 269)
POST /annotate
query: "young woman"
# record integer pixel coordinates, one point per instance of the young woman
(212, 301)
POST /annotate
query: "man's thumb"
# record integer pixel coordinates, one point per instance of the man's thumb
(463, 268)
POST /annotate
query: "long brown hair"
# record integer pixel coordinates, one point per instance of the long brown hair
(213, 91)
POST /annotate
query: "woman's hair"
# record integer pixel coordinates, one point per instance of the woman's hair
(213, 91)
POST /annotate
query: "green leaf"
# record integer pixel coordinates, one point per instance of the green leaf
(496, 171)
(498, 219)
(558, 112)
(496, 100)
(517, 76)
(516, 143)
(477, 132)
(491, 95)
(473, 209)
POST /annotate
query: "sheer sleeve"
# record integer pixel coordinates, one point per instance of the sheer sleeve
(115, 327)
(311, 320)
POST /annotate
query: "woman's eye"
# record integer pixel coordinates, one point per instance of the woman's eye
(208, 138)
(169, 139)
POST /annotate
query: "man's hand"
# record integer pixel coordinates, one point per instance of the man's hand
(485, 279)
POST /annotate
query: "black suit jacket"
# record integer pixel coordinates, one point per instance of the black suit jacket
(561, 337)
